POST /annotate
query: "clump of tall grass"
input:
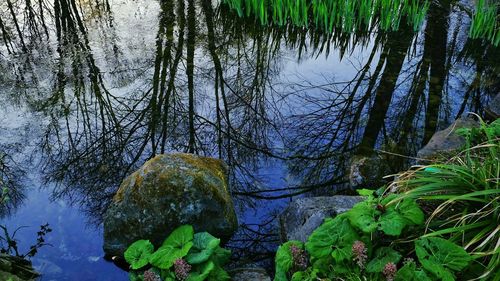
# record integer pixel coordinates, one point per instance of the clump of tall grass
(329, 15)
(486, 21)
(465, 193)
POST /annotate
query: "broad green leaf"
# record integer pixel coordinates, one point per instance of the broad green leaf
(334, 235)
(409, 272)
(180, 236)
(392, 223)
(383, 256)
(218, 274)
(202, 273)
(220, 256)
(137, 254)
(441, 257)
(410, 210)
(204, 245)
(165, 256)
(362, 216)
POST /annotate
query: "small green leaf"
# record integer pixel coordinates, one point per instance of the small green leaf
(137, 254)
(365, 192)
(383, 256)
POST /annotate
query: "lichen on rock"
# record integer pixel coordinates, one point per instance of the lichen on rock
(166, 192)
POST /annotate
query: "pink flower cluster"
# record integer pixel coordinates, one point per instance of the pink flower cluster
(389, 271)
(359, 251)
(299, 257)
(182, 269)
(150, 275)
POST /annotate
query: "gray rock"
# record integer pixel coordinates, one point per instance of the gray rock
(166, 192)
(304, 215)
(368, 172)
(250, 274)
(493, 108)
(445, 142)
(16, 269)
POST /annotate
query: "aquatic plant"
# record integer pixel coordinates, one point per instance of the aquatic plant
(362, 15)
(184, 255)
(332, 14)
(9, 243)
(486, 21)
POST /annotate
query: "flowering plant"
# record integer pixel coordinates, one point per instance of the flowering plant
(183, 256)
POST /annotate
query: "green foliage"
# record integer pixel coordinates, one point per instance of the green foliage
(198, 255)
(176, 246)
(382, 257)
(138, 254)
(284, 260)
(204, 245)
(441, 257)
(362, 15)
(486, 21)
(329, 15)
(468, 185)
(387, 236)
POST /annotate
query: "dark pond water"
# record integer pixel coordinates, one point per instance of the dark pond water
(89, 90)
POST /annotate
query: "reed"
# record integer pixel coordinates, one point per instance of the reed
(330, 15)
(486, 22)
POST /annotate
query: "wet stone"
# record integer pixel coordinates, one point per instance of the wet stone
(304, 215)
(250, 274)
(493, 108)
(445, 142)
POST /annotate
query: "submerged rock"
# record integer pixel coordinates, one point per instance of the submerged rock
(304, 215)
(250, 274)
(16, 269)
(368, 172)
(447, 141)
(166, 192)
(493, 108)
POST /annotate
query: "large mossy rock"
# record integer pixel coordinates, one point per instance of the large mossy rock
(166, 192)
(304, 215)
(445, 143)
(16, 269)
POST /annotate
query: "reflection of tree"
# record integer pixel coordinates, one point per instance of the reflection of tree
(11, 189)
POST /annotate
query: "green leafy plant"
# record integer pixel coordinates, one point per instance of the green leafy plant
(330, 15)
(378, 239)
(465, 193)
(389, 236)
(184, 255)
